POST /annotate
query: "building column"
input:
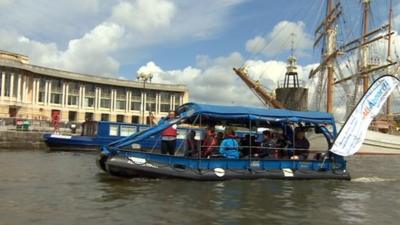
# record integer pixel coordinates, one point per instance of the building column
(99, 102)
(36, 90)
(63, 95)
(129, 101)
(126, 101)
(143, 111)
(3, 84)
(157, 104)
(48, 93)
(96, 98)
(24, 89)
(80, 97)
(171, 104)
(66, 94)
(19, 88)
(113, 99)
(83, 96)
(11, 85)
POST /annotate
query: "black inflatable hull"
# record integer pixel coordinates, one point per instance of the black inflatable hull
(122, 167)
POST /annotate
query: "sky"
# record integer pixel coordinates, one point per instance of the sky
(191, 42)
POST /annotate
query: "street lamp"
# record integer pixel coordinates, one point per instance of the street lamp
(144, 77)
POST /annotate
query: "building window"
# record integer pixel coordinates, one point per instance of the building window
(177, 101)
(120, 118)
(105, 103)
(55, 98)
(73, 88)
(56, 91)
(135, 119)
(41, 96)
(72, 100)
(105, 100)
(42, 90)
(15, 88)
(165, 102)
(164, 107)
(89, 116)
(72, 116)
(120, 104)
(151, 107)
(7, 85)
(88, 102)
(135, 106)
(105, 117)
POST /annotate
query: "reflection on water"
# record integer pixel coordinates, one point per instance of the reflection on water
(67, 188)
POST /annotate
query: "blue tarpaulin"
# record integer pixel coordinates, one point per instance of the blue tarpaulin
(254, 113)
(190, 111)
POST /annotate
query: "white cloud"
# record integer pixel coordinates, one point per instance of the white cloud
(95, 37)
(144, 15)
(214, 81)
(4, 3)
(90, 54)
(278, 40)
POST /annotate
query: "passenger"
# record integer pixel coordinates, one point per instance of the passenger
(168, 137)
(220, 138)
(301, 145)
(192, 145)
(229, 147)
(267, 145)
(281, 144)
(245, 145)
(210, 142)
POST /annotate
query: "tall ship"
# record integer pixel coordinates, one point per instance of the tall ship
(349, 62)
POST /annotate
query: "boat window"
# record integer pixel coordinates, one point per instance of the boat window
(127, 130)
(113, 130)
(318, 142)
(142, 128)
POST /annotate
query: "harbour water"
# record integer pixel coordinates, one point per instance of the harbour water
(38, 187)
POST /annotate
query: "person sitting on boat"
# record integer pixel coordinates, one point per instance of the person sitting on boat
(192, 145)
(281, 144)
(248, 143)
(220, 138)
(301, 145)
(168, 137)
(229, 147)
(210, 142)
(267, 145)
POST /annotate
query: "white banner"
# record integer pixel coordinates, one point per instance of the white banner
(355, 129)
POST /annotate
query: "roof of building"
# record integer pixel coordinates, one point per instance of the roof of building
(50, 72)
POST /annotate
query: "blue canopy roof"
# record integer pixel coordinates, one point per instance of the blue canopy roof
(254, 113)
(189, 111)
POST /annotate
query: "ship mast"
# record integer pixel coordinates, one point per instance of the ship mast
(327, 30)
(258, 89)
(364, 49)
(389, 59)
(365, 68)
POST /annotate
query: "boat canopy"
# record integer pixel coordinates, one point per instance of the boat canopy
(245, 113)
(191, 112)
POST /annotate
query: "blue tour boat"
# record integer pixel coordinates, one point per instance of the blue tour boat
(128, 158)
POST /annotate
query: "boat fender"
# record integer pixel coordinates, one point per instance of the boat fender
(136, 160)
(219, 172)
(287, 172)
